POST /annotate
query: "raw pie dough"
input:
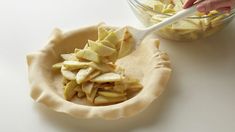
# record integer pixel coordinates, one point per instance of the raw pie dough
(147, 63)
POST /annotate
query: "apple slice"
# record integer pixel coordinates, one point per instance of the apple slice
(87, 87)
(57, 66)
(129, 80)
(111, 94)
(101, 49)
(73, 65)
(93, 75)
(119, 87)
(83, 73)
(107, 77)
(178, 5)
(68, 57)
(136, 86)
(91, 97)
(158, 6)
(102, 67)
(107, 43)
(69, 91)
(168, 11)
(88, 54)
(112, 38)
(127, 44)
(151, 3)
(68, 74)
(102, 33)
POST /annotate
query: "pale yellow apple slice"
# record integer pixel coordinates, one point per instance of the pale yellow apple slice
(168, 11)
(151, 3)
(120, 87)
(112, 38)
(158, 6)
(88, 54)
(104, 86)
(101, 100)
(93, 75)
(102, 67)
(68, 74)
(91, 97)
(107, 43)
(213, 12)
(107, 87)
(107, 77)
(83, 73)
(101, 49)
(87, 87)
(178, 5)
(136, 86)
(127, 44)
(57, 66)
(73, 65)
(68, 57)
(111, 94)
(169, 6)
(69, 91)
(129, 80)
(86, 46)
(102, 33)
(76, 50)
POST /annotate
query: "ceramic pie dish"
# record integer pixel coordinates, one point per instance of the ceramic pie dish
(147, 63)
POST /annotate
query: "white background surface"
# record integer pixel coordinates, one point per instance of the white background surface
(200, 95)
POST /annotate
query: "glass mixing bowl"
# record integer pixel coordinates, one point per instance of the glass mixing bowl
(201, 26)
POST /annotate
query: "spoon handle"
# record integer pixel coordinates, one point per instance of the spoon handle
(178, 16)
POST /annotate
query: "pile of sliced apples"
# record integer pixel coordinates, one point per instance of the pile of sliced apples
(91, 72)
(187, 29)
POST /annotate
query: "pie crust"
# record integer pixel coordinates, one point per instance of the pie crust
(147, 63)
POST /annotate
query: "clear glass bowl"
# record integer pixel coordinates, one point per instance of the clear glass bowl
(207, 25)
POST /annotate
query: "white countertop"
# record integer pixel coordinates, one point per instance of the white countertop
(200, 95)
